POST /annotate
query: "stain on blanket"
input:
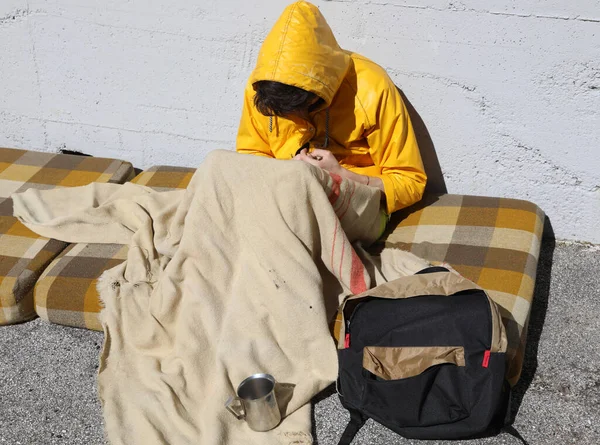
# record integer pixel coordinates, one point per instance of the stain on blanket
(277, 280)
(295, 438)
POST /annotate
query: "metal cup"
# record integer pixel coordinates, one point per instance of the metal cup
(256, 403)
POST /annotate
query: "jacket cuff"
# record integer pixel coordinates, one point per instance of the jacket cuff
(388, 187)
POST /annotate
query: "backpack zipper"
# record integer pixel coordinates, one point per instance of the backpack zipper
(486, 354)
(347, 336)
(486, 358)
(348, 322)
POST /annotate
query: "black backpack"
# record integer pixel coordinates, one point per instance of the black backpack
(424, 355)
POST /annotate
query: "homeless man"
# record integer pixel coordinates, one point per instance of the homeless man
(310, 100)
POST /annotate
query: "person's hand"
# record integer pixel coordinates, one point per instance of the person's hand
(320, 158)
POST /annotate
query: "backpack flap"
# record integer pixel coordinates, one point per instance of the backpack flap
(436, 283)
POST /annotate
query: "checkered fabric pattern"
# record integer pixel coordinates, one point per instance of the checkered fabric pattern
(164, 178)
(66, 291)
(494, 242)
(24, 254)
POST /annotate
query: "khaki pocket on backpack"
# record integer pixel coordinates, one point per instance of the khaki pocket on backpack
(395, 363)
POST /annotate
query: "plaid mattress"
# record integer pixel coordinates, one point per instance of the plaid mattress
(66, 291)
(23, 254)
(494, 242)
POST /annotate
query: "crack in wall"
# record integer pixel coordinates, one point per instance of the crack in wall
(26, 13)
(561, 175)
(108, 127)
(44, 121)
(15, 15)
(587, 76)
(445, 80)
(579, 83)
(235, 39)
(480, 101)
(19, 14)
(460, 7)
(567, 177)
(172, 109)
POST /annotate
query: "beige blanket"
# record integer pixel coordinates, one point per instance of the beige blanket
(241, 273)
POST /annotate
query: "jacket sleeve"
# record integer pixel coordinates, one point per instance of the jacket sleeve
(252, 137)
(393, 148)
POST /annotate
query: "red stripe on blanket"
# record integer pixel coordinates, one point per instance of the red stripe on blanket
(342, 259)
(342, 214)
(357, 275)
(333, 244)
(335, 188)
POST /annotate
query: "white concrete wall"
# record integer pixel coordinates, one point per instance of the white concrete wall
(509, 90)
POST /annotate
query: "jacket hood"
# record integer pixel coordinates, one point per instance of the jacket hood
(301, 50)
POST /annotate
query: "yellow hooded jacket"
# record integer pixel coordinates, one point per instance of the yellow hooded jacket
(363, 120)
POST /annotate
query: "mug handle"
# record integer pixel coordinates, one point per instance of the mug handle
(229, 405)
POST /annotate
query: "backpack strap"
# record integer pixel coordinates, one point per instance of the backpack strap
(357, 420)
(507, 426)
(432, 269)
(513, 432)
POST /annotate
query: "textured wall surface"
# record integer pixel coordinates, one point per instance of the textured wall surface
(508, 91)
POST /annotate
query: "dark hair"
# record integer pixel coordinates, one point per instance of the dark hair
(278, 99)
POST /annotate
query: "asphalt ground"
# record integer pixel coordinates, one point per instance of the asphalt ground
(48, 372)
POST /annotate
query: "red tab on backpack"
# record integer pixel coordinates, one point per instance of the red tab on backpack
(486, 359)
(347, 341)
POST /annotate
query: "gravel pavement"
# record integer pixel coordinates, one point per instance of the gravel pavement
(48, 372)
